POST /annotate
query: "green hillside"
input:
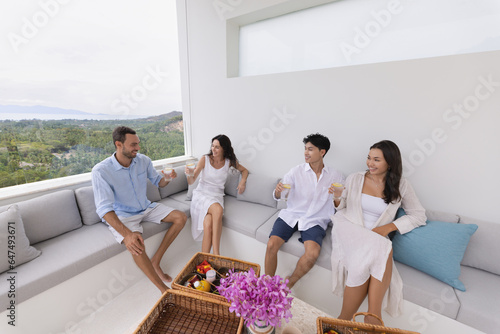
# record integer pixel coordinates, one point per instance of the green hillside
(36, 150)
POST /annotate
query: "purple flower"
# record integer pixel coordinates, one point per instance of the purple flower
(263, 298)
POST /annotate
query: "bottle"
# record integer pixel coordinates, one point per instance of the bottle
(202, 285)
(192, 280)
(211, 275)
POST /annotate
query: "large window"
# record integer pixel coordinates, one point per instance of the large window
(70, 71)
(350, 32)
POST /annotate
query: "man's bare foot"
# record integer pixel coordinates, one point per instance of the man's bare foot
(164, 277)
(290, 283)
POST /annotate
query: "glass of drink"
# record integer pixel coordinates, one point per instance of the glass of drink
(167, 171)
(286, 191)
(338, 187)
(190, 166)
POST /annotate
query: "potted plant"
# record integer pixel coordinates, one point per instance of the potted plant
(261, 301)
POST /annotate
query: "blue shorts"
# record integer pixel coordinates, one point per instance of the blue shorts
(284, 231)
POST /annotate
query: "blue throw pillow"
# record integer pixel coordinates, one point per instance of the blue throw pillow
(436, 248)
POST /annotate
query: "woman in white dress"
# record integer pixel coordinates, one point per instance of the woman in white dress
(207, 204)
(362, 263)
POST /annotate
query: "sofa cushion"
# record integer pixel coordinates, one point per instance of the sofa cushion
(245, 217)
(232, 181)
(66, 256)
(86, 204)
(178, 205)
(15, 247)
(152, 192)
(439, 216)
(50, 215)
(85, 199)
(428, 292)
(259, 189)
(436, 248)
(176, 185)
(479, 305)
(484, 243)
(233, 178)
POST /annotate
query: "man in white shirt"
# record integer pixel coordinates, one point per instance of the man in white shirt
(309, 207)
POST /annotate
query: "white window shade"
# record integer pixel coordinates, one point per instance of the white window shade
(350, 32)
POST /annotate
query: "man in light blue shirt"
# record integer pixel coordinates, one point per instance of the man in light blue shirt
(120, 184)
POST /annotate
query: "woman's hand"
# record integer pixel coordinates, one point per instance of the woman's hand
(336, 191)
(384, 230)
(241, 186)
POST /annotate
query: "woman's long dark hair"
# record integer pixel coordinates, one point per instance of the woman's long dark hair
(225, 143)
(392, 156)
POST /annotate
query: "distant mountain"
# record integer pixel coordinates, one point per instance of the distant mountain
(44, 112)
(163, 117)
(41, 110)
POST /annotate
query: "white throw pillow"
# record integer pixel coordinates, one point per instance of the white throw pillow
(16, 248)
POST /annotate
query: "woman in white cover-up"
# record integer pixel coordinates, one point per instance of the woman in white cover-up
(362, 263)
(207, 204)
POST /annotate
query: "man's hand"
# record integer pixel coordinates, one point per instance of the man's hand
(278, 190)
(134, 243)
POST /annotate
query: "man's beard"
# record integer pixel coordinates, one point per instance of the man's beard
(128, 154)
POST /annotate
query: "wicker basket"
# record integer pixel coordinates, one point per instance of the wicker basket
(353, 327)
(217, 262)
(180, 312)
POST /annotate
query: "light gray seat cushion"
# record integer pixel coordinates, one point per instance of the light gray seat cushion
(480, 306)
(245, 217)
(66, 256)
(181, 197)
(428, 292)
(170, 202)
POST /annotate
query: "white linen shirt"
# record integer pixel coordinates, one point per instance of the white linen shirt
(309, 202)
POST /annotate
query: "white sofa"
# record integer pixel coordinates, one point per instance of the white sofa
(64, 226)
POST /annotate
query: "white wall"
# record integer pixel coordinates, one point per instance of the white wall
(405, 101)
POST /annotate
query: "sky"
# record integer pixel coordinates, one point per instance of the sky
(98, 56)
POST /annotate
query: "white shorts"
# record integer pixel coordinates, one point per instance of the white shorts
(133, 223)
